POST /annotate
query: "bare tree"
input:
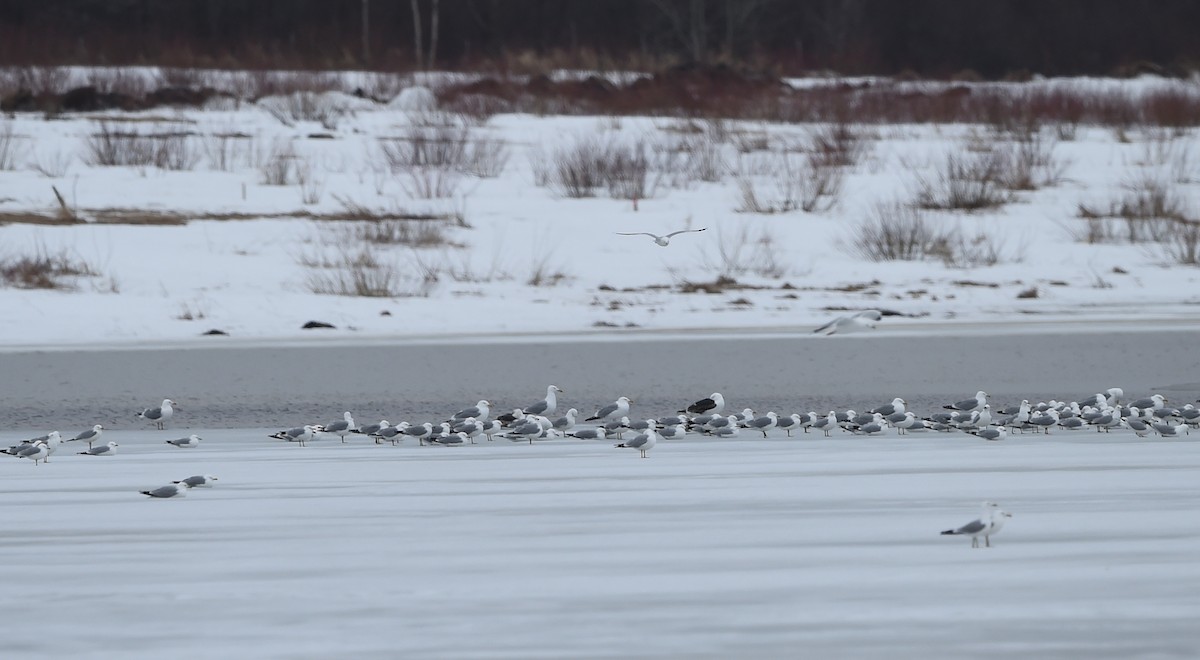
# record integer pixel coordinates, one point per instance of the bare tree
(417, 48)
(425, 59)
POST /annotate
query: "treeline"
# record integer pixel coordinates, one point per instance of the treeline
(939, 38)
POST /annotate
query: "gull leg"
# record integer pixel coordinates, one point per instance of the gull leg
(974, 541)
(988, 540)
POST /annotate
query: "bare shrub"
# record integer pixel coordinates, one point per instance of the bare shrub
(118, 80)
(485, 158)
(836, 145)
(1181, 244)
(970, 182)
(745, 251)
(44, 270)
(312, 186)
(1147, 211)
(431, 182)
(12, 146)
(894, 231)
(1031, 164)
(581, 168)
(442, 146)
(543, 274)
(44, 80)
(799, 181)
(52, 164)
(358, 273)
(297, 106)
(110, 146)
(279, 168)
(225, 151)
(413, 233)
(959, 250)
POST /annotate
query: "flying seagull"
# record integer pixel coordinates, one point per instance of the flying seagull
(664, 240)
(855, 323)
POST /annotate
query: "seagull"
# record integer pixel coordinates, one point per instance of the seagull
(190, 441)
(38, 452)
(527, 430)
(663, 240)
(643, 442)
(566, 422)
(992, 433)
(390, 433)
(615, 410)
(102, 450)
(970, 405)
(176, 489)
(588, 434)
(714, 404)
(198, 481)
(301, 434)
(89, 436)
(987, 524)
(469, 427)
(372, 429)
(341, 427)
(479, 411)
(421, 433)
(159, 415)
(857, 322)
(673, 432)
(547, 406)
(764, 423)
(790, 423)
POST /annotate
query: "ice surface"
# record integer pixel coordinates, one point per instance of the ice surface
(747, 548)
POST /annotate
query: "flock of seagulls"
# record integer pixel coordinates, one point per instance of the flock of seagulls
(41, 448)
(707, 417)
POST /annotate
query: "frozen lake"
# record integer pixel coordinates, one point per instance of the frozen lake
(710, 548)
(782, 547)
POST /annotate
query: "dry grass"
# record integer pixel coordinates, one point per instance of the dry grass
(44, 270)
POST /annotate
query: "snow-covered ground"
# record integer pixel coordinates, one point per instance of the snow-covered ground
(746, 548)
(248, 277)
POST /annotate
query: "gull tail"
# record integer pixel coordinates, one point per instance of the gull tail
(145, 492)
(950, 531)
(620, 445)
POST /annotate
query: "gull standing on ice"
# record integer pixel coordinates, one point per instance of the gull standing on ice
(38, 453)
(547, 406)
(663, 240)
(479, 411)
(857, 322)
(643, 442)
(341, 427)
(986, 525)
(190, 441)
(158, 415)
(301, 434)
(103, 450)
(89, 436)
(615, 410)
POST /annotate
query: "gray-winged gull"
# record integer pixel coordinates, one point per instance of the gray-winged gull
(190, 441)
(341, 427)
(547, 406)
(89, 436)
(160, 414)
(38, 452)
(103, 450)
(479, 411)
(764, 423)
(988, 524)
(643, 442)
(198, 481)
(176, 489)
(618, 408)
(663, 240)
(969, 405)
(300, 434)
